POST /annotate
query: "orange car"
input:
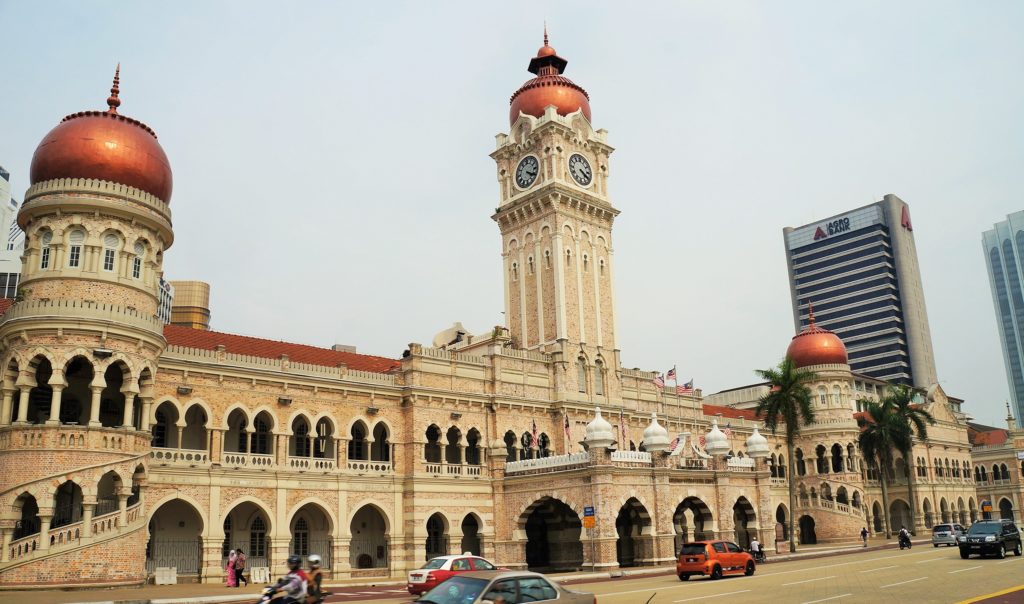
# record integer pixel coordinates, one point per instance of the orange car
(714, 559)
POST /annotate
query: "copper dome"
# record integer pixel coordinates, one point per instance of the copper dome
(105, 146)
(816, 346)
(548, 88)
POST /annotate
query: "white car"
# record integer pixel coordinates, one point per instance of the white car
(439, 569)
(947, 534)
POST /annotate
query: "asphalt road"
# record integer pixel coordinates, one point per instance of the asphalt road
(923, 574)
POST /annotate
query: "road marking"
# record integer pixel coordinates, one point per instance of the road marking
(927, 561)
(871, 570)
(808, 581)
(1008, 561)
(964, 569)
(731, 593)
(903, 582)
(991, 595)
(827, 599)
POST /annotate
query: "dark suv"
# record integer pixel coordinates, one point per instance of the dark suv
(991, 537)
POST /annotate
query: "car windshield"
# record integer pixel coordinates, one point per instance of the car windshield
(693, 548)
(985, 528)
(942, 528)
(434, 564)
(457, 590)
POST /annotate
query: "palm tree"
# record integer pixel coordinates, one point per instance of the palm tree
(882, 432)
(788, 402)
(901, 397)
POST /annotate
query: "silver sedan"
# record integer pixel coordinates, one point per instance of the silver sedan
(502, 587)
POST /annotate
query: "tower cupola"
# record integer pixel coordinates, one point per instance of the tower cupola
(550, 87)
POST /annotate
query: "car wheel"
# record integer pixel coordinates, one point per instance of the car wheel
(716, 573)
(1001, 553)
(964, 554)
(1018, 551)
(684, 577)
(935, 545)
(750, 568)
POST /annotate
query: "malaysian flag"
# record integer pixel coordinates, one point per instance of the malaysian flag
(702, 441)
(535, 442)
(671, 375)
(622, 429)
(675, 442)
(568, 435)
(686, 388)
(728, 430)
(659, 382)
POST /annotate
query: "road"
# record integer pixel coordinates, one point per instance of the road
(923, 574)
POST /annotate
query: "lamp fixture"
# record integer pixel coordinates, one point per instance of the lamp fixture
(283, 401)
(455, 415)
(102, 353)
(184, 390)
(372, 410)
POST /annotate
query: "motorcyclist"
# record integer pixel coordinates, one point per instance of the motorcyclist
(904, 536)
(314, 591)
(755, 549)
(293, 585)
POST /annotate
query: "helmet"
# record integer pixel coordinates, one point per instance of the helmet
(294, 560)
(314, 560)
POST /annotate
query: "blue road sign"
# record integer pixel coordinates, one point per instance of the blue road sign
(588, 510)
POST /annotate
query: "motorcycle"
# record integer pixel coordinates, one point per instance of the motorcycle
(759, 556)
(905, 541)
(272, 595)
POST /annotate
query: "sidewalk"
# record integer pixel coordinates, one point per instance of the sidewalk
(206, 593)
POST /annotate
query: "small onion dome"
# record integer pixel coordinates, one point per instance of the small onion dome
(599, 432)
(816, 346)
(104, 145)
(548, 88)
(757, 445)
(655, 436)
(715, 441)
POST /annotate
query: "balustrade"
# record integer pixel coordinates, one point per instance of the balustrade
(631, 456)
(740, 463)
(248, 460)
(368, 466)
(555, 462)
(189, 458)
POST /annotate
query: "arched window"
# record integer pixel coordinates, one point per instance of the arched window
(302, 448)
(586, 263)
(260, 437)
(258, 537)
(836, 395)
(510, 446)
(544, 444)
(357, 446)
(44, 251)
(110, 245)
(600, 264)
(547, 258)
(822, 396)
(581, 374)
(75, 239)
(515, 271)
(599, 377)
(140, 251)
(300, 538)
(568, 257)
(529, 265)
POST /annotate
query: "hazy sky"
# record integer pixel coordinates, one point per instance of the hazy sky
(332, 181)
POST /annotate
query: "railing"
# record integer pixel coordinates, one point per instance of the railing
(248, 460)
(69, 533)
(38, 436)
(548, 463)
(740, 463)
(78, 309)
(434, 468)
(631, 456)
(453, 469)
(318, 464)
(364, 466)
(322, 546)
(369, 553)
(23, 547)
(186, 555)
(474, 470)
(189, 458)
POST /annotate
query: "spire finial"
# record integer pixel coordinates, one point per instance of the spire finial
(112, 101)
(545, 32)
(1009, 414)
(810, 314)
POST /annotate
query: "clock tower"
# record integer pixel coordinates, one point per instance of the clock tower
(556, 222)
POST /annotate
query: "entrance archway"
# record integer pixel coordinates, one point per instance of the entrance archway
(876, 517)
(369, 545)
(929, 517)
(552, 536)
(471, 536)
(1005, 509)
(28, 516)
(437, 536)
(174, 539)
(899, 515)
(67, 506)
(247, 528)
(744, 521)
(807, 534)
(694, 515)
(311, 531)
(629, 526)
(781, 523)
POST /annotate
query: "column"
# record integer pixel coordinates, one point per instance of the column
(23, 405)
(44, 529)
(147, 404)
(7, 532)
(122, 506)
(5, 407)
(179, 429)
(129, 408)
(54, 418)
(94, 406)
(88, 509)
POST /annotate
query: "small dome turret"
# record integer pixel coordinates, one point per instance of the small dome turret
(715, 442)
(655, 436)
(550, 87)
(599, 431)
(816, 346)
(757, 445)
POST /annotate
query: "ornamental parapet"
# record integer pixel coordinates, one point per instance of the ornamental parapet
(62, 309)
(41, 437)
(572, 461)
(112, 192)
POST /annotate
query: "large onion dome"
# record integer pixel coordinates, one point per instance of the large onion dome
(816, 346)
(599, 431)
(655, 436)
(550, 87)
(104, 145)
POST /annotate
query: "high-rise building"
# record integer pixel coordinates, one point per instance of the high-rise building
(190, 306)
(1003, 247)
(163, 309)
(859, 270)
(10, 253)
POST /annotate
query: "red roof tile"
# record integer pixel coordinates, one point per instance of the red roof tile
(987, 436)
(730, 412)
(272, 349)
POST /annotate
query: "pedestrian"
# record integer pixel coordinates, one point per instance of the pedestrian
(240, 569)
(232, 579)
(864, 535)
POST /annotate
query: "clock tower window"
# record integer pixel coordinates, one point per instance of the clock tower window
(581, 370)
(77, 238)
(598, 377)
(44, 254)
(547, 258)
(529, 264)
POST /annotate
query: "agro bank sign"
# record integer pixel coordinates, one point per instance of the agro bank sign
(836, 225)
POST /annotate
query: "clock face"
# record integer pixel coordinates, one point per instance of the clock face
(579, 167)
(526, 171)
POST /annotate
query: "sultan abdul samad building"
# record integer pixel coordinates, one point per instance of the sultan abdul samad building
(127, 445)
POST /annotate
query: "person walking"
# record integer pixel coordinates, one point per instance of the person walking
(232, 578)
(864, 535)
(240, 569)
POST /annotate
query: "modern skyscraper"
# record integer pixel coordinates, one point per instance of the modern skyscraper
(1003, 247)
(10, 253)
(859, 270)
